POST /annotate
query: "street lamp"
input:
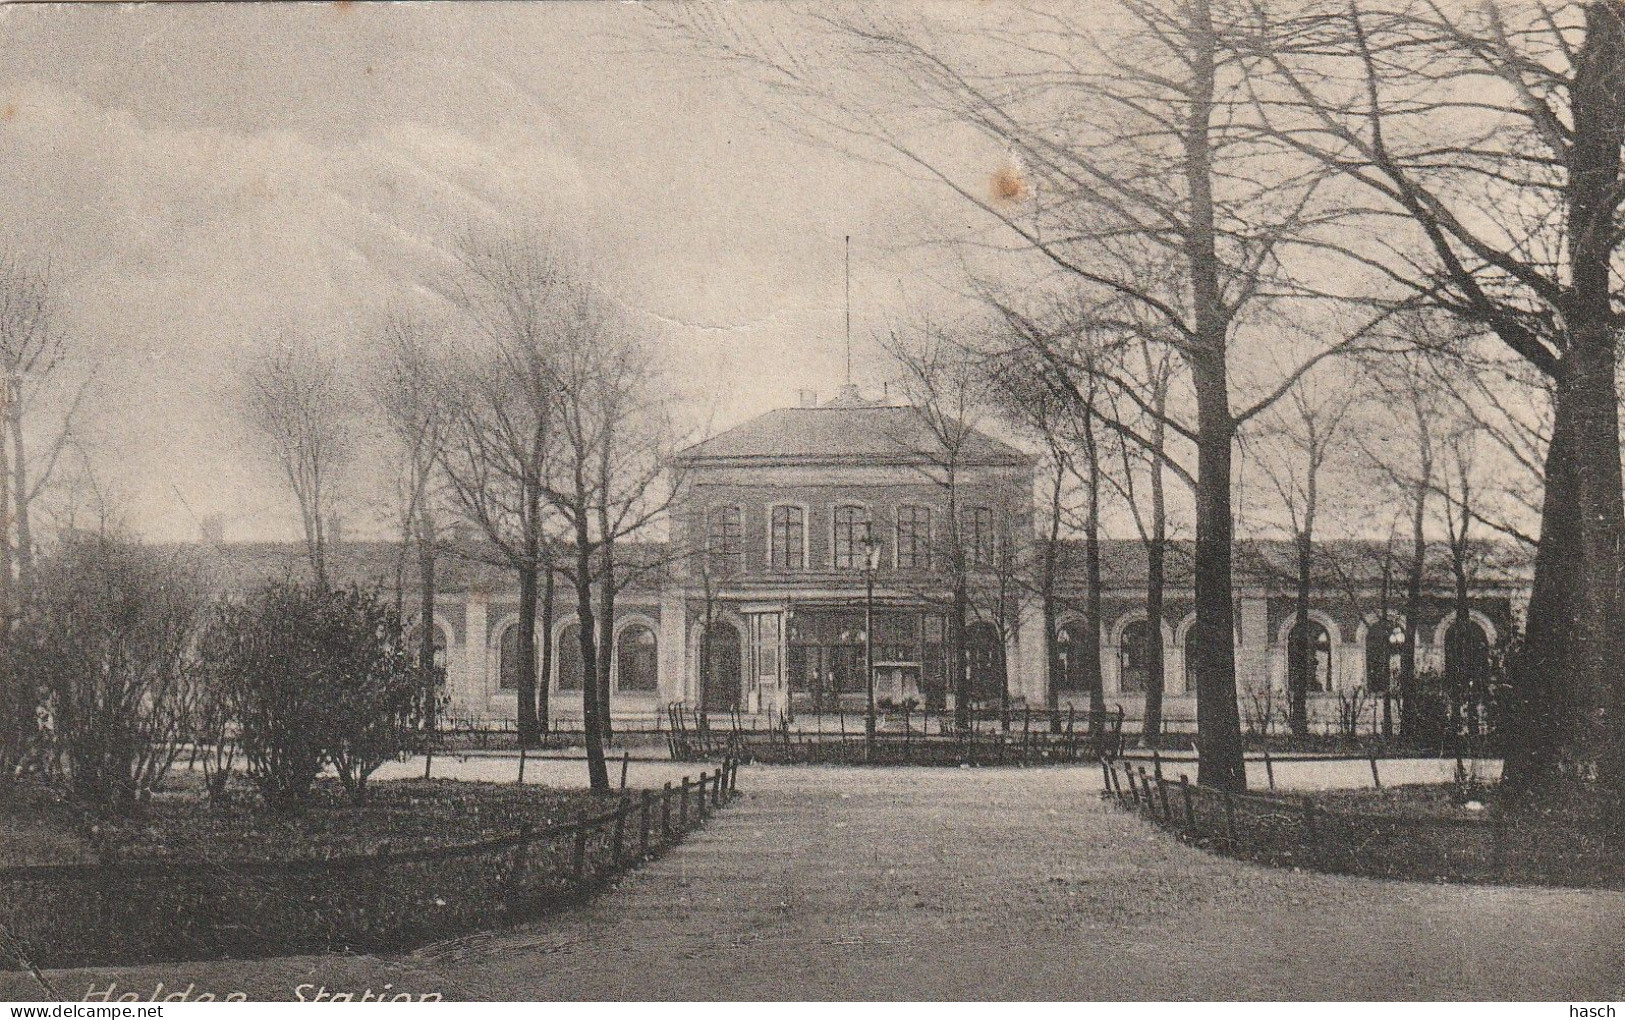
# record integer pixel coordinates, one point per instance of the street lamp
(871, 566)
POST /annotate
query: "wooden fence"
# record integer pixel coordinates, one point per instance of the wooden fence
(1527, 847)
(125, 912)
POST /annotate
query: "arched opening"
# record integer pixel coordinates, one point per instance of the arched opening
(1466, 659)
(1384, 650)
(986, 654)
(719, 667)
(1133, 657)
(567, 657)
(1310, 663)
(1069, 642)
(507, 658)
(635, 660)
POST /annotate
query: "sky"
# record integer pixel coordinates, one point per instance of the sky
(202, 179)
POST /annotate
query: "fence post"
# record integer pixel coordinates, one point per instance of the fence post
(626, 759)
(1269, 768)
(1106, 775)
(1128, 774)
(579, 860)
(615, 844)
(682, 808)
(665, 814)
(1162, 794)
(1156, 764)
(1376, 780)
(701, 805)
(1190, 803)
(645, 808)
(521, 779)
(1145, 783)
(1230, 817)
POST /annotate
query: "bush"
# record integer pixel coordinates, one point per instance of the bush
(316, 675)
(109, 633)
(22, 715)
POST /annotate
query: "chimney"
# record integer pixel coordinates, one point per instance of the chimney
(809, 398)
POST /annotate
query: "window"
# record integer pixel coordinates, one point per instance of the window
(976, 535)
(913, 537)
(635, 668)
(567, 654)
(789, 538)
(851, 528)
(1384, 651)
(439, 647)
(724, 542)
(1309, 662)
(1466, 657)
(508, 659)
(1132, 655)
(1069, 646)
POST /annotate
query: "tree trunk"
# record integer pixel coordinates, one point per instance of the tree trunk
(597, 770)
(1091, 553)
(544, 711)
(426, 605)
(1155, 671)
(1409, 704)
(1302, 664)
(1046, 594)
(526, 653)
(1568, 681)
(8, 587)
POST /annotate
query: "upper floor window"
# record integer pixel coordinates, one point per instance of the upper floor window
(851, 528)
(913, 537)
(788, 541)
(976, 535)
(724, 541)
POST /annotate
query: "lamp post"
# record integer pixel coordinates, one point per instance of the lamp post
(871, 566)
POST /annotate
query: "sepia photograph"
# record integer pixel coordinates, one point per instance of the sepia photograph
(1111, 501)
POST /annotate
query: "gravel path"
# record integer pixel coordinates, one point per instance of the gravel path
(986, 883)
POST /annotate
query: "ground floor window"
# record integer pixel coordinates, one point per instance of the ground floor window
(1133, 657)
(1309, 662)
(826, 656)
(635, 668)
(568, 656)
(1384, 650)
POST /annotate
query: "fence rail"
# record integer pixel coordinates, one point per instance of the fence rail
(901, 737)
(1533, 848)
(123, 912)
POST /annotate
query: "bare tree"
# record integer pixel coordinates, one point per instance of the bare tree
(410, 383)
(1484, 146)
(301, 409)
(503, 431)
(31, 353)
(1305, 438)
(610, 480)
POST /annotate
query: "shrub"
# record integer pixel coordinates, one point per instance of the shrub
(109, 633)
(316, 675)
(22, 715)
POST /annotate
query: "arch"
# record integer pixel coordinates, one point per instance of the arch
(985, 650)
(1068, 632)
(505, 660)
(1485, 624)
(569, 671)
(1384, 646)
(637, 658)
(1182, 632)
(1283, 630)
(719, 662)
(1467, 657)
(1318, 676)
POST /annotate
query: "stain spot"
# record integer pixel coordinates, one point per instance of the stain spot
(343, 6)
(369, 68)
(1008, 183)
(8, 113)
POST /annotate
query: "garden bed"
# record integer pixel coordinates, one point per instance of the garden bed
(1433, 832)
(424, 860)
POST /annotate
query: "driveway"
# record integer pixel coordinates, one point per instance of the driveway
(980, 883)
